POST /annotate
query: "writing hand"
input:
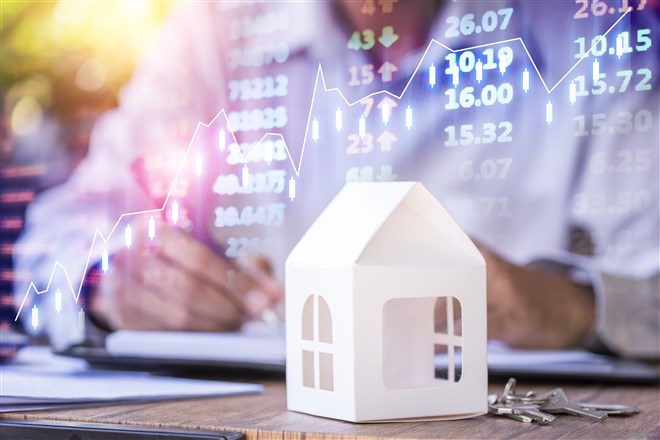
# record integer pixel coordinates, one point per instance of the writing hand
(177, 283)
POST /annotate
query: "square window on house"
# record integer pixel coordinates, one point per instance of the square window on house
(433, 331)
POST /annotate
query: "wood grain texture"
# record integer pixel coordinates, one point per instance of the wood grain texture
(265, 417)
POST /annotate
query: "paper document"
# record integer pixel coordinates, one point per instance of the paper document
(265, 347)
(238, 347)
(38, 379)
(572, 364)
(499, 355)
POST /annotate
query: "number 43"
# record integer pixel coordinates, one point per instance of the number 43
(364, 42)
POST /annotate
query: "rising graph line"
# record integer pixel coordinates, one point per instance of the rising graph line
(296, 169)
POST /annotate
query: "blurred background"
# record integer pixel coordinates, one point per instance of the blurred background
(63, 64)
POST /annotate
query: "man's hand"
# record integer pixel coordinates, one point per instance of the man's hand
(532, 309)
(176, 283)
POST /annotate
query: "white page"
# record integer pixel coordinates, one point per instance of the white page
(100, 385)
(257, 346)
(52, 382)
(501, 356)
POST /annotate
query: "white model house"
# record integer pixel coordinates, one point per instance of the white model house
(373, 289)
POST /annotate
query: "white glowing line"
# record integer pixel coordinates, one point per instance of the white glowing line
(296, 169)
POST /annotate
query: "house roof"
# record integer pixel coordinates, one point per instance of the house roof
(385, 223)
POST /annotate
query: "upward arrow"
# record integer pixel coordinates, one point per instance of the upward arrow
(387, 101)
(386, 71)
(388, 37)
(387, 5)
(386, 139)
(385, 106)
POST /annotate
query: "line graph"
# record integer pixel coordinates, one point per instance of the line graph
(98, 234)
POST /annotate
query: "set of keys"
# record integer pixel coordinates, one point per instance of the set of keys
(542, 407)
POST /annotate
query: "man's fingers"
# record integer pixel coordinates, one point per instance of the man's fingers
(163, 295)
(205, 307)
(258, 288)
(200, 261)
(193, 256)
(257, 262)
(252, 273)
(144, 307)
(260, 273)
(137, 307)
(186, 253)
(218, 293)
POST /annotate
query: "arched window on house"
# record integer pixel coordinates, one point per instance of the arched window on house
(317, 353)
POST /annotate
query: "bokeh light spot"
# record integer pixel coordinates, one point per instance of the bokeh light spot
(26, 117)
(91, 75)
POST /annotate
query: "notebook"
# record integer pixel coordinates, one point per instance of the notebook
(265, 351)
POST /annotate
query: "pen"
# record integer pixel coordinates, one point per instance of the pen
(272, 319)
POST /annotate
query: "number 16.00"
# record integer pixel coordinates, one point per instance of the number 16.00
(489, 95)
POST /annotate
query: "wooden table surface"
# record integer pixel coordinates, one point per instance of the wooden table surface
(266, 417)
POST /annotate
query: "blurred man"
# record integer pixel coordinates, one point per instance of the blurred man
(556, 177)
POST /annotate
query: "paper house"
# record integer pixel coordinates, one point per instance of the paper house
(373, 290)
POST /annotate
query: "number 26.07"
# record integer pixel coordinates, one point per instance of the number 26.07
(467, 24)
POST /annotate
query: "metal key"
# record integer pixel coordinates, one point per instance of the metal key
(612, 409)
(529, 398)
(559, 403)
(492, 409)
(520, 418)
(509, 389)
(532, 411)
